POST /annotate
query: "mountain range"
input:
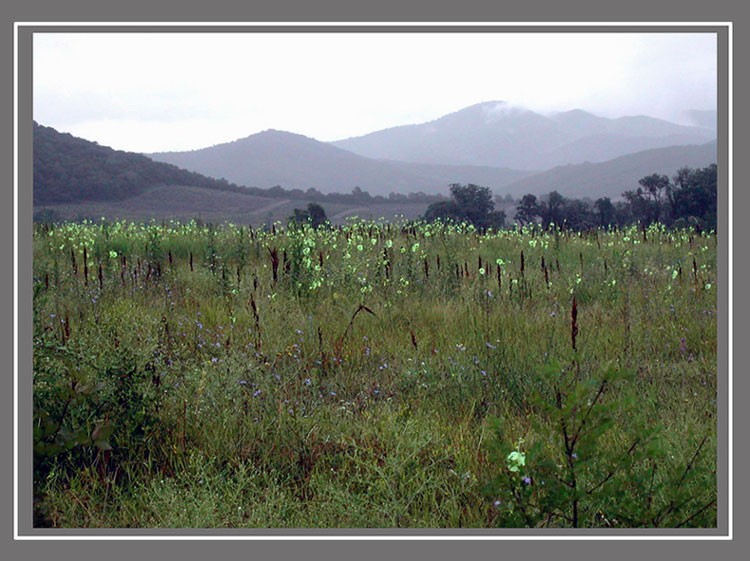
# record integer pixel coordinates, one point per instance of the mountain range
(491, 144)
(613, 177)
(498, 134)
(295, 161)
(575, 153)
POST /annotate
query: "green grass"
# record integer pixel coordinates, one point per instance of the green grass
(381, 380)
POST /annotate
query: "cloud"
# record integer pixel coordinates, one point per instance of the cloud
(336, 85)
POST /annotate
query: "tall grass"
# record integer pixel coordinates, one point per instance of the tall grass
(372, 375)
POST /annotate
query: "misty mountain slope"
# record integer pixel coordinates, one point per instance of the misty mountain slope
(501, 135)
(703, 118)
(603, 147)
(613, 177)
(291, 160)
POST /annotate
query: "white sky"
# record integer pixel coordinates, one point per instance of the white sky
(179, 91)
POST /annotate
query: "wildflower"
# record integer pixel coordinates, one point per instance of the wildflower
(516, 460)
(526, 480)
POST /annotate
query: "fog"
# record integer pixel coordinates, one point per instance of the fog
(178, 91)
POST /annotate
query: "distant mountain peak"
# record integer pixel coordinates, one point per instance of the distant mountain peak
(493, 108)
(504, 134)
(573, 113)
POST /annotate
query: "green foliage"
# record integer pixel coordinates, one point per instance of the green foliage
(351, 376)
(687, 200)
(471, 204)
(315, 215)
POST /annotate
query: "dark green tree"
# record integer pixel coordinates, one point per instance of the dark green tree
(314, 214)
(443, 210)
(469, 203)
(654, 186)
(639, 207)
(317, 215)
(605, 212)
(527, 210)
(695, 196)
(577, 215)
(551, 210)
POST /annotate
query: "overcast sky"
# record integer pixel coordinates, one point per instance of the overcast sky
(177, 91)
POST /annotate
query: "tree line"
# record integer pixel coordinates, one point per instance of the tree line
(687, 199)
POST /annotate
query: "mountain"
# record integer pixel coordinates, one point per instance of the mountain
(613, 177)
(702, 118)
(67, 168)
(290, 160)
(76, 178)
(498, 134)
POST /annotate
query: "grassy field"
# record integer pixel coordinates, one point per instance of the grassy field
(373, 376)
(188, 203)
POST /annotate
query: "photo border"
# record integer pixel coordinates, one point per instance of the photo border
(21, 236)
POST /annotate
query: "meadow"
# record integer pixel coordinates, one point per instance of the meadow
(405, 375)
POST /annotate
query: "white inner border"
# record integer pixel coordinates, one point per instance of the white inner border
(728, 234)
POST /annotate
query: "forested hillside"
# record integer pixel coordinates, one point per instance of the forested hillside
(67, 169)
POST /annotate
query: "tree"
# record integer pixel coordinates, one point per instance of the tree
(695, 195)
(469, 203)
(605, 212)
(577, 215)
(444, 210)
(552, 210)
(640, 208)
(315, 215)
(653, 186)
(528, 209)
(472, 200)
